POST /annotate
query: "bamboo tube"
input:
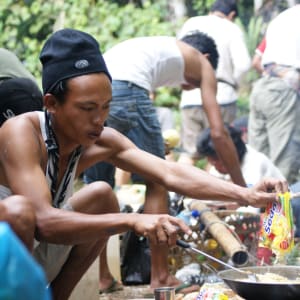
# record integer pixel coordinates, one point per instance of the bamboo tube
(215, 226)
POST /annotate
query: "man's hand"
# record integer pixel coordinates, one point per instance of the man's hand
(266, 191)
(160, 229)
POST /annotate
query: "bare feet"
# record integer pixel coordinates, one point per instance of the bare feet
(109, 285)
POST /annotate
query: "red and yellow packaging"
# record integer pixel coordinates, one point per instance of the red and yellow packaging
(212, 291)
(276, 237)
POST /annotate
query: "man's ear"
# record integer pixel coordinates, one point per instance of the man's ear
(206, 55)
(231, 16)
(50, 102)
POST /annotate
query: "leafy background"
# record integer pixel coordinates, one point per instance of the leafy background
(25, 25)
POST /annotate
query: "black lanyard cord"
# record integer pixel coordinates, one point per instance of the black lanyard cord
(53, 159)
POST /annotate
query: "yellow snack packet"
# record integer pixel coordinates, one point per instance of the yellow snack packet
(276, 237)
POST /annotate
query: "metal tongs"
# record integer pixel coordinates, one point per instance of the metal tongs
(251, 276)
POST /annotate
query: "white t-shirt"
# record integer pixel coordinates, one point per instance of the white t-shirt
(149, 62)
(283, 39)
(234, 58)
(255, 166)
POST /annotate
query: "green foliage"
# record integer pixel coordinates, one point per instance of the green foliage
(25, 25)
(201, 163)
(245, 9)
(111, 24)
(201, 7)
(167, 97)
(243, 103)
(253, 32)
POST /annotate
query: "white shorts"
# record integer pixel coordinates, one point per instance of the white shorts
(52, 256)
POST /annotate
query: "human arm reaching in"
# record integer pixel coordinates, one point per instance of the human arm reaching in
(199, 73)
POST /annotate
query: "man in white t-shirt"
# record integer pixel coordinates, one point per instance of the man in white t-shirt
(234, 62)
(254, 165)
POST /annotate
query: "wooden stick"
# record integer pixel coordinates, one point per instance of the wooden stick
(216, 227)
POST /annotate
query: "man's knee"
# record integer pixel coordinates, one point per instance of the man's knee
(20, 210)
(102, 198)
(101, 189)
(20, 215)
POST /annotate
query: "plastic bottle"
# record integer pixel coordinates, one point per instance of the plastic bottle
(194, 217)
(190, 217)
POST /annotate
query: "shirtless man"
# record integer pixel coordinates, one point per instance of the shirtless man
(17, 95)
(59, 144)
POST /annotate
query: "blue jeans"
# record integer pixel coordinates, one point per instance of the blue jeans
(132, 113)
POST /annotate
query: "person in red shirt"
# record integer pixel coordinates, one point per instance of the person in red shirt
(256, 61)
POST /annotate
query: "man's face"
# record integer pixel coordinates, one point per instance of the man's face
(82, 115)
(218, 164)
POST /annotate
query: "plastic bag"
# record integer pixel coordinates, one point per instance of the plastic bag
(136, 262)
(135, 258)
(276, 238)
(21, 276)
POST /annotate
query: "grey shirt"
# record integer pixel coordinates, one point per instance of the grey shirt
(11, 66)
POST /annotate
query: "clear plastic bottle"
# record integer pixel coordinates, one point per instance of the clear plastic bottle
(190, 217)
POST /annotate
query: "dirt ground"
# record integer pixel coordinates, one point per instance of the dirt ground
(129, 292)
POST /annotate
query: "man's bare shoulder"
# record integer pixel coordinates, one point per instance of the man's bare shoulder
(20, 130)
(20, 124)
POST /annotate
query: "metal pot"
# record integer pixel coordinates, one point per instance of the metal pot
(259, 290)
